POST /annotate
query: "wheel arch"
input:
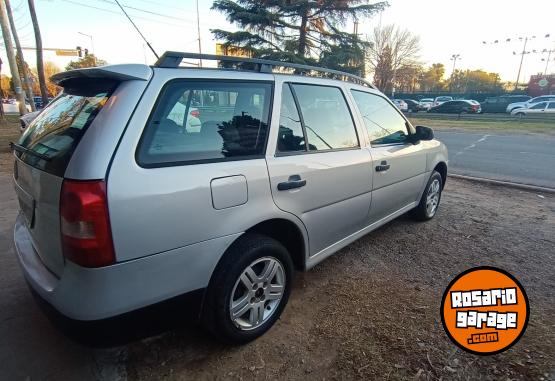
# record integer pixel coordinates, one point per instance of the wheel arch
(289, 234)
(441, 167)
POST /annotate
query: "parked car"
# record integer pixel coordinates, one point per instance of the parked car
(401, 104)
(536, 109)
(516, 105)
(440, 100)
(121, 206)
(26, 119)
(458, 107)
(500, 103)
(425, 103)
(413, 106)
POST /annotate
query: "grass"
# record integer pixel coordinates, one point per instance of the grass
(499, 126)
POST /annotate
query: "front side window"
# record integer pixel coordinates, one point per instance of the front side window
(539, 106)
(383, 122)
(206, 121)
(551, 105)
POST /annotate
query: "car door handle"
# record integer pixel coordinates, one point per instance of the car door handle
(293, 182)
(382, 167)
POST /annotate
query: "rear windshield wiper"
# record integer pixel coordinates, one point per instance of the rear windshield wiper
(20, 148)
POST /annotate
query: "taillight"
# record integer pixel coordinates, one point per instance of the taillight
(85, 224)
(195, 113)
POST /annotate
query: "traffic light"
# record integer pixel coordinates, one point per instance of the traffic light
(86, 52)
(79, 51)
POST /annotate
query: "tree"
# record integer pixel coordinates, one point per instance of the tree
(38, 43)
(50, 69)
(300, 31)
(88, 61)
(432, 79)
(7, 86)
(7, 35)
(407, 78)
(391, 49)
(475, 81)
(24, 69)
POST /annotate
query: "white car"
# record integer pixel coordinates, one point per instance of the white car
(518, 105)
(26, 119)
(401, 104)
(425, 103)
(441, 100)
(536, 109)
(193, 122)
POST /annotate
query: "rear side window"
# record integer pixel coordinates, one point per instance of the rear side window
(551, 105)
(53, 136)
(384, 123)
(206, 121)
(326, 117)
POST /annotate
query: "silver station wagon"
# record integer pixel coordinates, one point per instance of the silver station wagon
(139, 184)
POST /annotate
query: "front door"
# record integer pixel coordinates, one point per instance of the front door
(399, 166)
(320, 172)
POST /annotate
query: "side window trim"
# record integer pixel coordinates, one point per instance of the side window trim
(303, 126)
(408, 126)
(301, 117)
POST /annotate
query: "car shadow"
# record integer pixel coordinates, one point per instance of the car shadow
(174, 314)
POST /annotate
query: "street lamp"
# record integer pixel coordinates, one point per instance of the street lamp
(454, 58)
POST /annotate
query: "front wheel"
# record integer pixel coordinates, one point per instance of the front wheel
(249, 289)
(429, 202)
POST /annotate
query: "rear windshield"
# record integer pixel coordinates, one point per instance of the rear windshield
(57, 130)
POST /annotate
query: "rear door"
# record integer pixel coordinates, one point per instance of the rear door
(41, 157)
(319, 171)
(399, 166)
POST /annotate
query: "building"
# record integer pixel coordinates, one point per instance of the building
(541, 85)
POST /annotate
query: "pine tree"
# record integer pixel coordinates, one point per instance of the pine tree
(299, 31)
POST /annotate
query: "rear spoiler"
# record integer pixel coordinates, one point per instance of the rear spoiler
(125, 72)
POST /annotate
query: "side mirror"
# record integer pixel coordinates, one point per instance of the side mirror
(422, 133)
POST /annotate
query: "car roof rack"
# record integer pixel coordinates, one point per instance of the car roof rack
(172, 59)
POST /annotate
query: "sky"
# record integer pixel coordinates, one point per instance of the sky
(445, 27)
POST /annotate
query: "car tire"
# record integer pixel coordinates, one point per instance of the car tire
(429, 202)
(520, 114)
(229, 285)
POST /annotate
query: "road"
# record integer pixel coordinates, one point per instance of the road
(521, 158)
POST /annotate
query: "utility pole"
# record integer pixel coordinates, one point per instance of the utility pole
(38, 43)
(26, 82)
(547, 61)
(198, 33)
(522, 59)
(11, 59)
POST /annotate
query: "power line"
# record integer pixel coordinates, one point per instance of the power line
(118, 13)
(145, 11)
(163, 5)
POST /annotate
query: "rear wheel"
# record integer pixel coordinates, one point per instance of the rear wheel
(249, 289)
(429, 202)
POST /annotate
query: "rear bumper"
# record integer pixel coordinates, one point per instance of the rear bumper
(98, 293)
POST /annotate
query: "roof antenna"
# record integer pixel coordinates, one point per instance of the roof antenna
(143, 37)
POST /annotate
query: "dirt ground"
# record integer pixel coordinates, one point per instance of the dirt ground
(369, 312)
